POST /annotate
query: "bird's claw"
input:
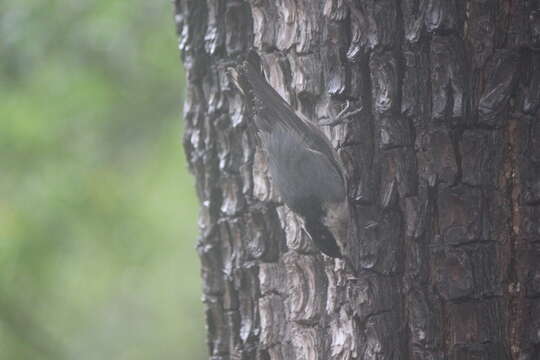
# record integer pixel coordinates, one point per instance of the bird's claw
(342, 116)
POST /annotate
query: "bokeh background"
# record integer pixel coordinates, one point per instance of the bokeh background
(97, 209)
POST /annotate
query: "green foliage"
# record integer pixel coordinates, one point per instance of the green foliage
(97, 210)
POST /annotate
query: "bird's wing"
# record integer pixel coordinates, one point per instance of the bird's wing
(272, 111)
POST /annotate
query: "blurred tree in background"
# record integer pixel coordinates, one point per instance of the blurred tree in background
(97, 210)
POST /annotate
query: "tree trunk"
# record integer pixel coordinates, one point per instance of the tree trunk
(443, 168)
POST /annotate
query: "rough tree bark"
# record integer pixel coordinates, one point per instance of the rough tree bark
(443, 168)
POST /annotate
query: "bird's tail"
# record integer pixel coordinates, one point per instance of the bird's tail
(263, 100)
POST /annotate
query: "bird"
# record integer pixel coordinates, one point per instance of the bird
(304, 166)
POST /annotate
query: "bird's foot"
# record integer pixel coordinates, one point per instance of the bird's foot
(343, 116)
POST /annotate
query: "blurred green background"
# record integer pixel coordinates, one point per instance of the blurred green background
(97, 209)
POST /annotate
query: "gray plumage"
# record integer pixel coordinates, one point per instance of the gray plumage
(303, 164)
(294, 165)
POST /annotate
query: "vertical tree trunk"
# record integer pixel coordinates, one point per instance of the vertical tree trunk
(443, 169)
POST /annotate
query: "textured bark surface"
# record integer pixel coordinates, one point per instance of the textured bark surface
(443, 167)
